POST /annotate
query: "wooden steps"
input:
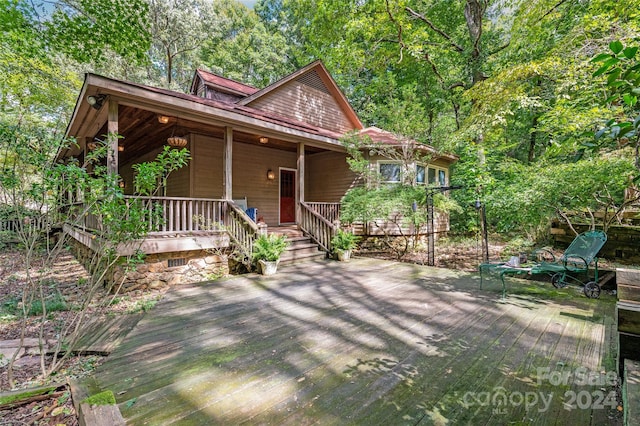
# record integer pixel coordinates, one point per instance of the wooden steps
(301, 248)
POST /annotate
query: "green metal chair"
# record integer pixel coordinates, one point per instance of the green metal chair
(576, 259)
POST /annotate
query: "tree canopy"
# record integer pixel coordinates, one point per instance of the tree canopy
(510, 86)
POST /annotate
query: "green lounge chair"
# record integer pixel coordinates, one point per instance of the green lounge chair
(576, 260)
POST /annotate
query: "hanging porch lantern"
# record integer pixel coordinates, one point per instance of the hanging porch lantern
(177, 141)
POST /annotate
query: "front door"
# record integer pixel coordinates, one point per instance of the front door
(287, 196)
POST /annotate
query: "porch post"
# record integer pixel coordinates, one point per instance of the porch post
(300, 185)
(112, 137)
(228, 158)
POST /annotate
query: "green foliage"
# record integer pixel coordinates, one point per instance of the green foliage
(85, 29)
(621, 68)
(344, 240)
(269, 247)
(388, 202)
(525, 198)
(243, 48)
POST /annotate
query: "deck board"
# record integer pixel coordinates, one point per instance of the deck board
(364, 342)
(102, 334)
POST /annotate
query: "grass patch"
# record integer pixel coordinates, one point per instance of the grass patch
(142, 306)
(51, 304)
(11, 308)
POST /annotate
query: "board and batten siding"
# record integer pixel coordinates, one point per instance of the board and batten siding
(208, 167)
(328, 177)
(302, 102)
(250, 165)
(177, 183)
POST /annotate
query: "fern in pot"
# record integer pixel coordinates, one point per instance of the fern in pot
(267, 250)
(343, 244)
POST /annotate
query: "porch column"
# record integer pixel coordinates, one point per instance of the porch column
(300, 194)
(227, 163)
(112, 137)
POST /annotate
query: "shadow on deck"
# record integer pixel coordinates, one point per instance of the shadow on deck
(367, 342)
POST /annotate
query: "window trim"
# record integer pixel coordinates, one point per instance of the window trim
(427, 168)
(397, 163)
(437, 170)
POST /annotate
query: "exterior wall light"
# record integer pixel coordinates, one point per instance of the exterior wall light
(263, 139)
(271, 175)
(96, 101)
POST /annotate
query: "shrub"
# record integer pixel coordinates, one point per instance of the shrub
(269, 247)
(344, 240)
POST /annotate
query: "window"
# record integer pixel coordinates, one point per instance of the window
(390, 172)
(437, 176)
(420, 175)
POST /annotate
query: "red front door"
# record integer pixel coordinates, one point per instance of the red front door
(287, 196)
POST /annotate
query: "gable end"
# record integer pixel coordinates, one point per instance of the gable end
(312, 79)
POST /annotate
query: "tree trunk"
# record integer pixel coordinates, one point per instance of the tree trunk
(532, 140)
(473, 13)
(169, 66)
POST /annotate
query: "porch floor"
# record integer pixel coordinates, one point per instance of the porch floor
(366, 342)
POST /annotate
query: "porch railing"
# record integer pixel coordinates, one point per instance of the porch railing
(329, 211)
(26, 225)
(316, 226)
(242, 230)
(171, 215)
(164, 215)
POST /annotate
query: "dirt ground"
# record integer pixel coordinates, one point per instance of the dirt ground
(63, 287)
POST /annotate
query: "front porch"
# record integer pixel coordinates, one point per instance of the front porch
(178, 224)
(195, 239)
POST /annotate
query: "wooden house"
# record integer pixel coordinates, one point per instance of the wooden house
(276, 150)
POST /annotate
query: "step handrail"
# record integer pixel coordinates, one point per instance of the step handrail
(317, 227)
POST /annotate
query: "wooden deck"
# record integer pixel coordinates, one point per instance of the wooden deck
(367, 342)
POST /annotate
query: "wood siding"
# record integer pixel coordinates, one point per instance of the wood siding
(328, 177)
(250, 165)
(207, 173)
(178, 184)
(302, 102)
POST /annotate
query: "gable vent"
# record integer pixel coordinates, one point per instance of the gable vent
(312, 79)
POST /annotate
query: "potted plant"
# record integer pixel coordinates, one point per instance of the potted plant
(343, 243)
(267, 250)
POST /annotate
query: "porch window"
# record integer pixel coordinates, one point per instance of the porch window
(390, 172)
(421, 177)
(437, 176)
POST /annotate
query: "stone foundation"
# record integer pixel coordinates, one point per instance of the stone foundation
(160, 270)
(167, 269)
(381, 243)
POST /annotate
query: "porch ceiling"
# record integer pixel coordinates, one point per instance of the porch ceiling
(142, 132)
